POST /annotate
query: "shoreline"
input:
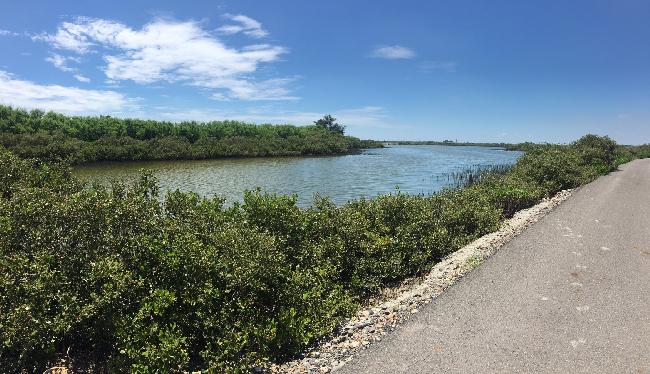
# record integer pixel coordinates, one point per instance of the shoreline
(237, 157)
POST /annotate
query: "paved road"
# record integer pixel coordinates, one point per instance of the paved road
(569, 295)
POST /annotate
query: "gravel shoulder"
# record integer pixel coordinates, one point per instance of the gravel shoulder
(570, 294)
(398, 305)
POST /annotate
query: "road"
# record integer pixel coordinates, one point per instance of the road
(569, 295)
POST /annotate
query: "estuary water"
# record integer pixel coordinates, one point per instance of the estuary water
(415, 169)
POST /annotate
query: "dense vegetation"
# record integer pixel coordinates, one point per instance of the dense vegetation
(624, 152)
(118, 279)
(54, 136)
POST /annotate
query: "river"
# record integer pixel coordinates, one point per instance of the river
(415, 169)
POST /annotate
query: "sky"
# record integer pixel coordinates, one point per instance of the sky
(546, 71)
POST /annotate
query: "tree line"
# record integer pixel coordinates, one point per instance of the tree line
(79, 139)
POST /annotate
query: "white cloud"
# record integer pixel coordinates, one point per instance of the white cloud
(61, 62)
(268, 90)
(172, 51)
(81, 78)
(69, 36)
(70, 100)
(8, 33)
(393, 52)
(245, 25)
(429, 66)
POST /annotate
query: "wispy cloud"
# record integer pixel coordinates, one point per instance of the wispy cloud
(61, 62)
(81, 78)
(430, 66)
(392, 52)
(367, 117)
(267, 90)
(69, 36)
(8, 33)
(71, 100)
(173, 51)
(243, 24)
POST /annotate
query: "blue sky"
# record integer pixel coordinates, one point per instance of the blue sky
(466, 70)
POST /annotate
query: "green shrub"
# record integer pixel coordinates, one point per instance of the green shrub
(553, 168)
(509, 194)
(56, 137)
(123, 279)
(628, 153)
(597, 151)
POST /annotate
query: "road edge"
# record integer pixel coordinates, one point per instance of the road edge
(397, 304)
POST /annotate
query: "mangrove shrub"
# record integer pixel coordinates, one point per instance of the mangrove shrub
(124, 279)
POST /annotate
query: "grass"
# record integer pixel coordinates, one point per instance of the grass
(473, 261)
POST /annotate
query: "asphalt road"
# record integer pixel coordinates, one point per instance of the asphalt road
(569, 295)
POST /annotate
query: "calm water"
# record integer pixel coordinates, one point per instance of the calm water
(417, 169)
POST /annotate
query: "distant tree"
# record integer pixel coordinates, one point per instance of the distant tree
(329, 123)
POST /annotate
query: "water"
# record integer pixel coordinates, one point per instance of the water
(419, 169)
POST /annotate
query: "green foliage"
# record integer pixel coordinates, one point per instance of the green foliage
(597, 151)
(511, 194)
(53, 136)
(122, 279)
(640, 151)
(554, 168)
(628, 153)
(329, 123)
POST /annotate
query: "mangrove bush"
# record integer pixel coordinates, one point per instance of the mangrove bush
(123, 279)
(56, 137)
